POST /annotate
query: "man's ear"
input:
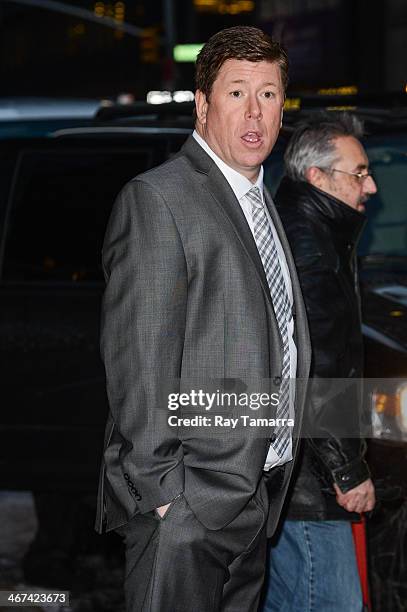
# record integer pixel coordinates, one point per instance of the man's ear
(201, 106)
(281, 116)
(316, 177)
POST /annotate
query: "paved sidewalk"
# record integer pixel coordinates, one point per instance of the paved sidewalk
(96, 582)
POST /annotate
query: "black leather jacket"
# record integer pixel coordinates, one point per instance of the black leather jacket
(323, 233)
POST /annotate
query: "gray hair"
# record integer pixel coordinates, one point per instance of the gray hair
(313, 142)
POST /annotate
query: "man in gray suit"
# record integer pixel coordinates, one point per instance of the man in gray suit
(201, 286)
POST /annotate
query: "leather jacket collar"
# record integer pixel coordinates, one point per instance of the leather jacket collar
(320, 206)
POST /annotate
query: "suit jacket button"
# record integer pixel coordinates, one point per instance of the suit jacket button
(277, 380)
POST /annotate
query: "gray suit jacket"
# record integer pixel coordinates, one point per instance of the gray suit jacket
(186, 300)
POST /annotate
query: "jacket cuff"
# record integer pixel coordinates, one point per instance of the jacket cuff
(351, 474)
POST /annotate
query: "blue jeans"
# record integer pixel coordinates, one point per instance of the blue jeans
(313, 569)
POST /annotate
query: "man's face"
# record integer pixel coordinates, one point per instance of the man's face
(351, 190)
(242, 118)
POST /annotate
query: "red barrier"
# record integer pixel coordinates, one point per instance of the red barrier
(359, 537)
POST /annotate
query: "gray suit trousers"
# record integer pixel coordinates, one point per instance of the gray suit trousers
(175, 564)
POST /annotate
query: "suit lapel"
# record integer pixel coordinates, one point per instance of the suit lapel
(221, 191)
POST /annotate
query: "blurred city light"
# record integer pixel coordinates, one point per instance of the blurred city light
(125, 98)
(183, 96)
(224, 7)
(346, 90)
(99, 9)
(187, 53)
(159, 97)
(292, 104)
(164, 97)
(150, 45)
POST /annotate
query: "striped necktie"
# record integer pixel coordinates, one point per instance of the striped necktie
(282, 308)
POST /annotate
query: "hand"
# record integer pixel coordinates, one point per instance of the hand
(359, 499)
(163, 509)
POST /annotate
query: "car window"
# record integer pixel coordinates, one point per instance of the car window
(60, 209)
(386, 231)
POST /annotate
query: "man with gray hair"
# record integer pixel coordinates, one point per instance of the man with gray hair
(321, 203)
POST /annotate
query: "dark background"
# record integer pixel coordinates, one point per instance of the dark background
(68, 52)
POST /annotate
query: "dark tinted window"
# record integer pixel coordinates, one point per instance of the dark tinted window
(60, 210)
(386, 230)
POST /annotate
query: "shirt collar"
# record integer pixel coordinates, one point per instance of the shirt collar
(239, 183)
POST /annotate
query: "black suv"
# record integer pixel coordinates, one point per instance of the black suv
(58, 180)
(56, 194)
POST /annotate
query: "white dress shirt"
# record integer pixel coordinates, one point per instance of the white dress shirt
(240, 186)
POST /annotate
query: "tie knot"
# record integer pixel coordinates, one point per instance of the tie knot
(255, 198)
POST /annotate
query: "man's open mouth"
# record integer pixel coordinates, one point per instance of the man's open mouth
(252, 137)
